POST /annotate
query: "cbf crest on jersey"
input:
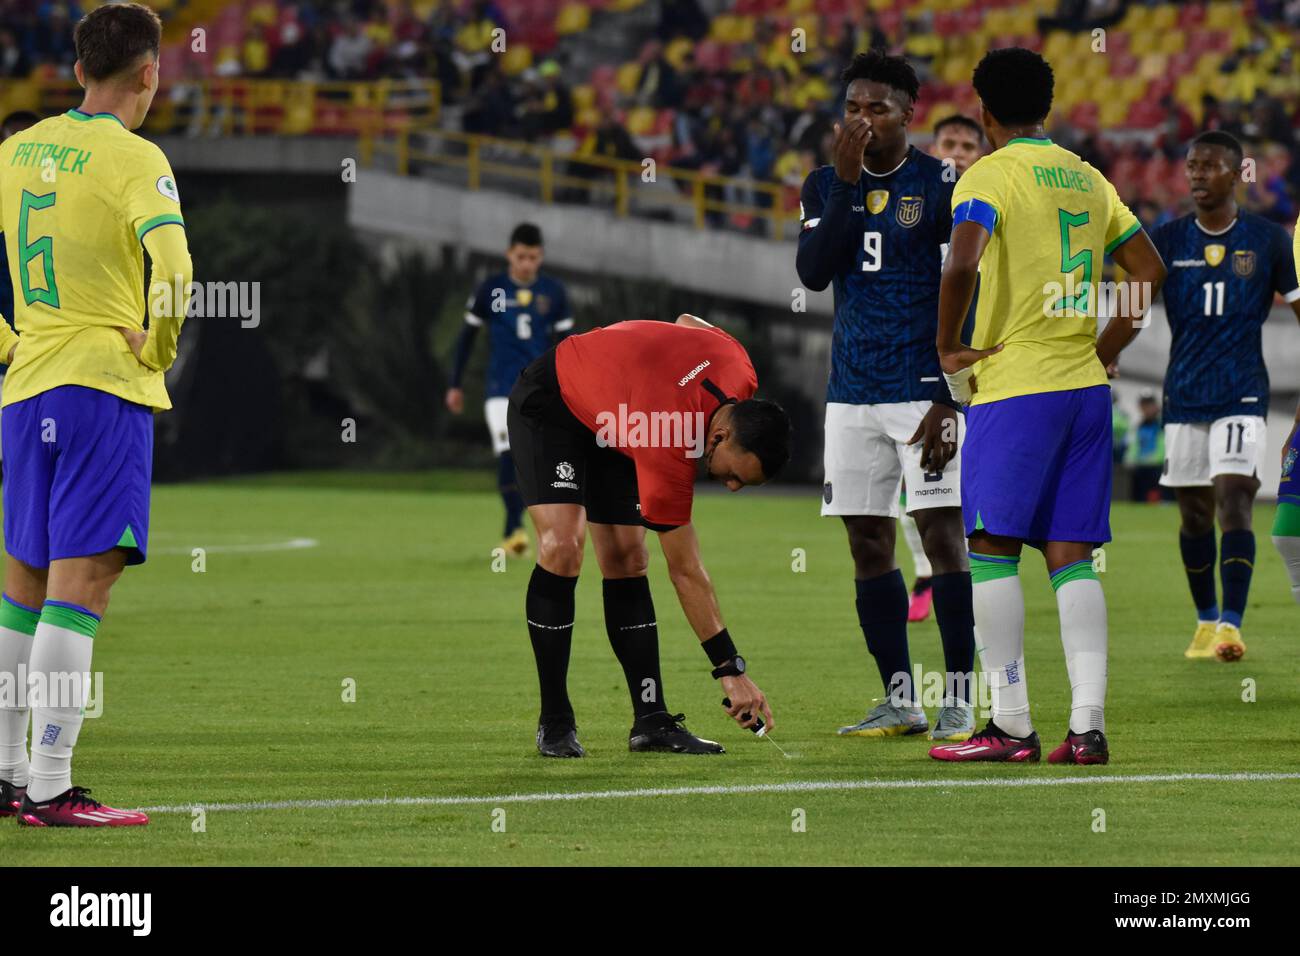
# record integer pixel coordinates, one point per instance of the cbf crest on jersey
(877, 200)
(909, 210)
(1288, 463)
(1214, 253)
(1243, 263)
(524, 296)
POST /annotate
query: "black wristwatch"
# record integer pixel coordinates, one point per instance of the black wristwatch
(732, 668)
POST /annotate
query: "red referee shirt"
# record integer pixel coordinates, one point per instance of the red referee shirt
(649, 389)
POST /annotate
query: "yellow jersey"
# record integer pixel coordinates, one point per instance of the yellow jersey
(78, 194)
(1054, 218)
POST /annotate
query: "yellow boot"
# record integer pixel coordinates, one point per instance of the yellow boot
(1203, 641)
(1228, 645)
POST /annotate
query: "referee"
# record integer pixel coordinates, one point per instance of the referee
(608, 431)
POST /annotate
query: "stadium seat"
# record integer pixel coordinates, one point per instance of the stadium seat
(572, 18)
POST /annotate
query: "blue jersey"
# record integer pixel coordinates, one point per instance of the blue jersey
(881, 241)
(1217, 296)
(522, 323)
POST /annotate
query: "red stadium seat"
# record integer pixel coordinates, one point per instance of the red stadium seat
(1123, 64)
(1190, 16)
(1086, 116)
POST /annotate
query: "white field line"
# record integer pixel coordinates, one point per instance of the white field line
(290, 544)
(797, 786)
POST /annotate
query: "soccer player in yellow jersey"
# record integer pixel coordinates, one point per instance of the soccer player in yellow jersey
(80, 195)
(1033, 221)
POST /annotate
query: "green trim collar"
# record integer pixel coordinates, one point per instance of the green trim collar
(1030, 140)
(84, 117)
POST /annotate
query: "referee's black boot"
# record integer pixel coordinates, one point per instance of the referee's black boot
(665, 733)
(558, 737)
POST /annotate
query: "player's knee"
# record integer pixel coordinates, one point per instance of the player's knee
(560, 552)
(1197, 518)
(632, 562)
(945, 544)
(872, 554)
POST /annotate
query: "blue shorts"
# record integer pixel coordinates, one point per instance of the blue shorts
(1038, 467)
(1288, 489)
(77, 464)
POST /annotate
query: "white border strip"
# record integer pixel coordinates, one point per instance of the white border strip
(805, 786)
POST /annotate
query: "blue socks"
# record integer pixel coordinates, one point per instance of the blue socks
(1236, 563)
(882, 612)
(1198, 562)
(956, 619)
(508, 485)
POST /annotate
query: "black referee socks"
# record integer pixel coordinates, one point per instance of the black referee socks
(634, 635)
(549, 608)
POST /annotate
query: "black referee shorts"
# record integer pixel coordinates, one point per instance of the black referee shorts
(557, 457)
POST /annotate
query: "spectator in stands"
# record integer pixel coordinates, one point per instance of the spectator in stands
(1178, 128)
(53, 35)
(349, 52)
(682, 18)
(13, 61)
(1119, 427)
(548, 108)
(490, 109)
(1145, 456)
(659, 85)
(1269, 195)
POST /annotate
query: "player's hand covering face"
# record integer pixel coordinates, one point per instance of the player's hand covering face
(885, 110)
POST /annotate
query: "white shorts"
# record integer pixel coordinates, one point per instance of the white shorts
(1198, 452)
(494, 410)
(867, 456)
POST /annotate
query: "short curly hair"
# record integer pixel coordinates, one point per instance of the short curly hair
(1015, 85)
(879, 67)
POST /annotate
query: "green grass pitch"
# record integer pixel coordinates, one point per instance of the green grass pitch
(228, 685)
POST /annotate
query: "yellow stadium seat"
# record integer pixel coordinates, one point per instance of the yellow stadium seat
(640, 121)
(955, 70)
(1137, 19)
(1171, 42)
(1164, 17)
(676, 51)
(1131, 88)
(1112, 113)
(1057, 47)
(1095, 66)
(1222, 16)
(1207, 66)
(573, 18)
(627, 78)
(1024, 21)
(516, 59)
(1153, 66)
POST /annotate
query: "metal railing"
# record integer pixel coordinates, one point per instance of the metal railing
(244, 106)
(629, 187)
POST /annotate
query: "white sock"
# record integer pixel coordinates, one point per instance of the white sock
(912, 535)
(17, 625)
(60, 672)
(1000, 623)
(1289, 548)
(1082, 606)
